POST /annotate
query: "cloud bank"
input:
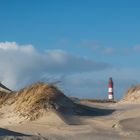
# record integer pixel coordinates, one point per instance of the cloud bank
(23, 64)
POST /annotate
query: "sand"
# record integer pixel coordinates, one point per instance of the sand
(42, 112)
(132, 95)
(122, 122)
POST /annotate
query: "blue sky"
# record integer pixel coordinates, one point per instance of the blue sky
(105, 32)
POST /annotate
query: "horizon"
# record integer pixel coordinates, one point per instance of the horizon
(81, 44)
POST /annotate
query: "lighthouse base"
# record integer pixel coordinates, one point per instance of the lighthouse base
(110, 97)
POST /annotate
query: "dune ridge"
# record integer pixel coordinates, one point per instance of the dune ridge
(42, 111)
(33, 101)
(132, 95)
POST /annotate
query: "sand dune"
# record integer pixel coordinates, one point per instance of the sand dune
(99, 126)
(41, 111)
(132, 95)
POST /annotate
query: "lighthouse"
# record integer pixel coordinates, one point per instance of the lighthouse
(110, 89)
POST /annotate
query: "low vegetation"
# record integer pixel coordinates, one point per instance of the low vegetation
(33, 101)
(132, 95)
(99, 100)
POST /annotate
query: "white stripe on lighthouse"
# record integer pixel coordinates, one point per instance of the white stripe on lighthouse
(110, 96)
(110, 89)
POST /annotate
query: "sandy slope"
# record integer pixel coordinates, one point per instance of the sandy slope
(117, 125)
(132, 95)
(42, 112)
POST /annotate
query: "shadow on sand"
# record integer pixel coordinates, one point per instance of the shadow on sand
(84, 110)
(71, 116)
(5, 132)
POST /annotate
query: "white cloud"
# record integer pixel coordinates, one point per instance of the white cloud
(22, 64)
(8, 45)
(79, 76)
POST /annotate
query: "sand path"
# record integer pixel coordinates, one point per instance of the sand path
(121, 124)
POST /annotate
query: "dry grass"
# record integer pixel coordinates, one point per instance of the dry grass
(132, 95)
(35, 100)
(132, 89)
(32, 101)
(5, 98)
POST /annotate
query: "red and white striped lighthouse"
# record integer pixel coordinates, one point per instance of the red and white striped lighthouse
(110, 89)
